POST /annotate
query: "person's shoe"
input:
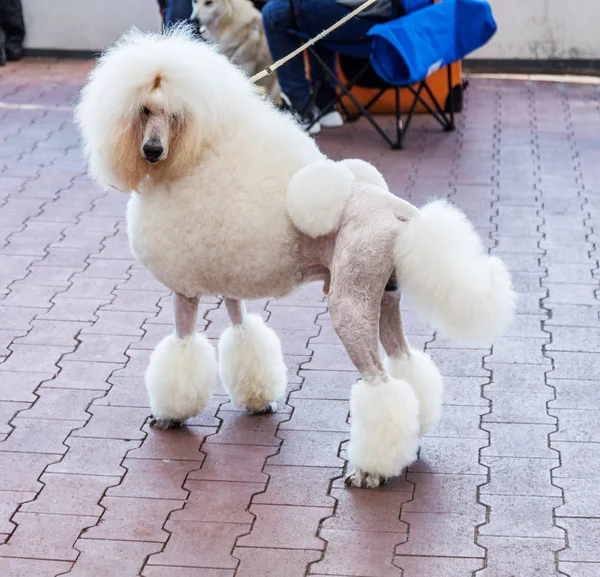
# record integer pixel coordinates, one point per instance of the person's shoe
(332, 119)
(306, 121)
(13, 54)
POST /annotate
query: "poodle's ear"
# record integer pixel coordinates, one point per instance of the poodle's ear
(122, 159)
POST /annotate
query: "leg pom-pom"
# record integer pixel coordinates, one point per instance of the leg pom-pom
(384, 435)
(251, 365)
(420, 372)
(180, 378)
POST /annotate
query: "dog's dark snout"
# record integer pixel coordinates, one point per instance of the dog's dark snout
(153, 150)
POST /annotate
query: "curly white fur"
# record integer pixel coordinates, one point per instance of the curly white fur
(364, 170)
(317, 195)
(181, 377)
(444, 269)
(420, 372)
(384, 428)
(251, 365)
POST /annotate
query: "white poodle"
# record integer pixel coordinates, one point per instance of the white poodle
(230, 197)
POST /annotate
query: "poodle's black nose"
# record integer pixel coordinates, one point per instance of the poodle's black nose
(153, 150)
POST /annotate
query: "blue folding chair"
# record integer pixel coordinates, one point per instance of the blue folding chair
(403, 53)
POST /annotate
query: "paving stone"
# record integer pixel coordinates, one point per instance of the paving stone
(578, 339)
(517, 378)
(318, 415)
(439, 566)
(40, 435)
(34, 358)
(518, 440)
(519, 350)
(309, 449)
(574, 316)
(358, 510)
(310, 486)
(284, 317)
(439, 534)
(233, 463)
(575, 366)
(76, 310)
(102, 348)
(359, 553)
(130, 519)
(440, 493)
(460, 422)
(273, 562)
(329, 358)
(244, 429)
(156, 571)
(70, 495)
(580, 569)
(64, 404)
(89, 456)
(10, 501)
(285, 526)
(335, 385)
(575, 395)
(581, 498)
(520, 557)
(45, 536)
(151, 479)
(215, 501)
(520, 476)
(460, 363)
(83, 375)
(577, 460)
(519, 408)
(577, 425)
(176, 444)
(194, 544)
(39, 568)
(584, 535)
(100, 558)
(521, 516)
(452, 456)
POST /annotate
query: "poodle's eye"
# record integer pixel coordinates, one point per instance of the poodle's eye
(208, 3)
(146, 111)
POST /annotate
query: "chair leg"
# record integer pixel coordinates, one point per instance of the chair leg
(356, 103)
(451, 95)
(399, 144)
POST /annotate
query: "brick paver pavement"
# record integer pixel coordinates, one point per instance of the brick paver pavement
(505, 486)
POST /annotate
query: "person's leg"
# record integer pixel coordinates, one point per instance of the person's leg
(13, 29)
(278, 20)
(317, 15)
(178, 11)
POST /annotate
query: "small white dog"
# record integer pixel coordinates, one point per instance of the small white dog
(236, 27)
(231, 197)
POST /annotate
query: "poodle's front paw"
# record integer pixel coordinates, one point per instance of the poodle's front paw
(164, 424)
(268, 408)
(363, 480)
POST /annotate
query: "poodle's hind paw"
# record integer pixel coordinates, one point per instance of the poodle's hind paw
(363, 480)
(267, 409)
(164, 424)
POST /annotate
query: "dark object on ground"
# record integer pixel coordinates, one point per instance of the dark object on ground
(12, 30)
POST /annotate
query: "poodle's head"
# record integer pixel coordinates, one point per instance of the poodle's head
(154, 105)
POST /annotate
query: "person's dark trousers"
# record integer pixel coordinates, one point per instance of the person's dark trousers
(178, 11)
(311, 17)
(12, 29)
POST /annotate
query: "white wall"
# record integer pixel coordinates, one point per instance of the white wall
(545, 29)
(85, 24)
(526, 28)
